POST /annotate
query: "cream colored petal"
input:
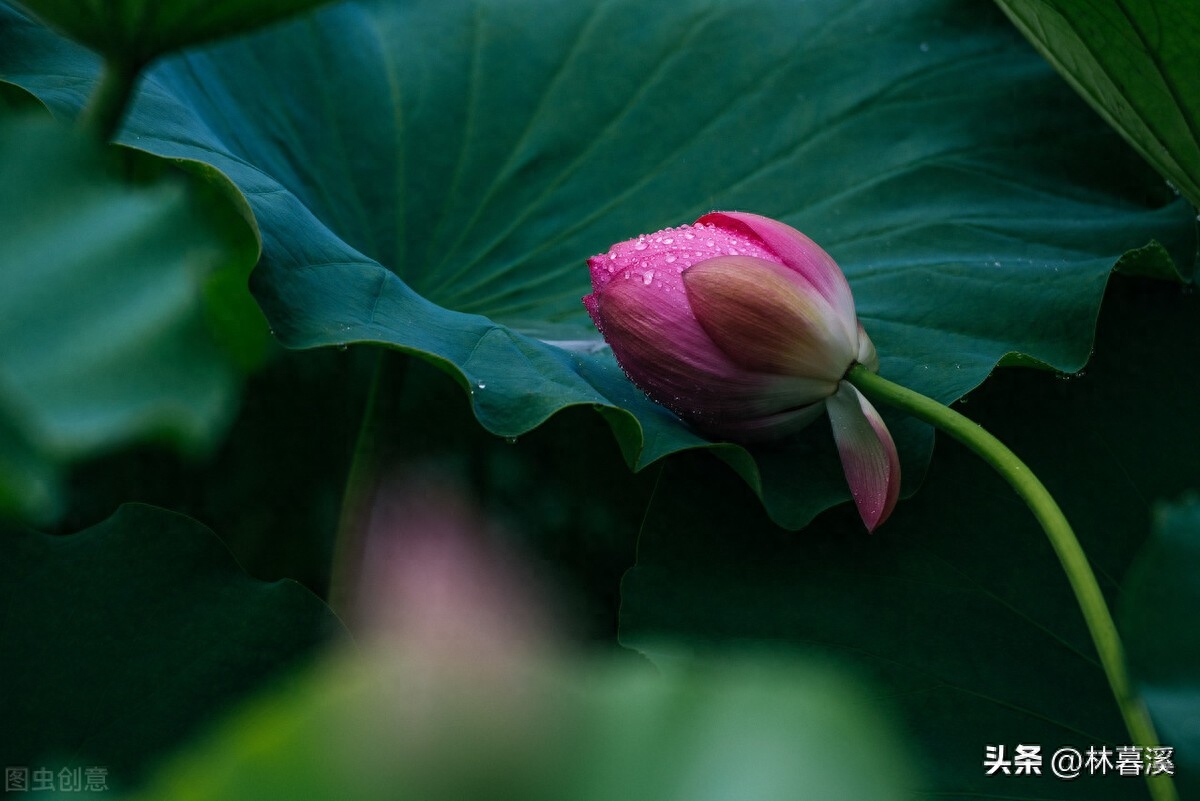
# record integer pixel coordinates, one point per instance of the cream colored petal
(767, 318)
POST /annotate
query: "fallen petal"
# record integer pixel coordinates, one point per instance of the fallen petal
(868, 453)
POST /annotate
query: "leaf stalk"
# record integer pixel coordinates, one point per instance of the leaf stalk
(110, 100)
(356, 495)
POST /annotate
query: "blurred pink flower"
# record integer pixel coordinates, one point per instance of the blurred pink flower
(745, 327)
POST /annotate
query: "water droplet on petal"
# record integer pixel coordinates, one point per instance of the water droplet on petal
(648, 277)
(668, 241)
(640, 245)
(670, 258)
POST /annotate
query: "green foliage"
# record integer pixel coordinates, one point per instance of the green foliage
(124, 313)
(432, 176)
(1135, 63)
(121, 639)
(369, 727)
(137, 31)
(957, 604)
(427, 177)
(1161, 593)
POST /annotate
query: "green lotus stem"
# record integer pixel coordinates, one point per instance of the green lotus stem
(1062, 538)
(105, 109)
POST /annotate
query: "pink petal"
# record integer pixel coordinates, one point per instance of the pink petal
(592, 304)
(667, 253)
(767, 317)
(771, 427)
(798, 252)
(868, 453)
(666, 353)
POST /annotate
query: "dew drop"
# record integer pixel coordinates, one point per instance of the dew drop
(711, 243)
(481, 385)
(668, 241)
(640, 245)
(648, 277)
(511, 440)
(612, 256)
(732, 252)
(669, 258)
(689, 236)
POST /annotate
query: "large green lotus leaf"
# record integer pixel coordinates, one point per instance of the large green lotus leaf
(957, 605)
(15, 100)
(1135, 63)
(136, 31)
(763, 727)
(124, 313)
(121, 639)
(1163, 587)
(432, 176)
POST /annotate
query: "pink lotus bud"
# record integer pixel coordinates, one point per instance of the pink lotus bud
(744, 327)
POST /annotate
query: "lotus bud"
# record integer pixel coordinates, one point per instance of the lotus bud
(744, 327)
